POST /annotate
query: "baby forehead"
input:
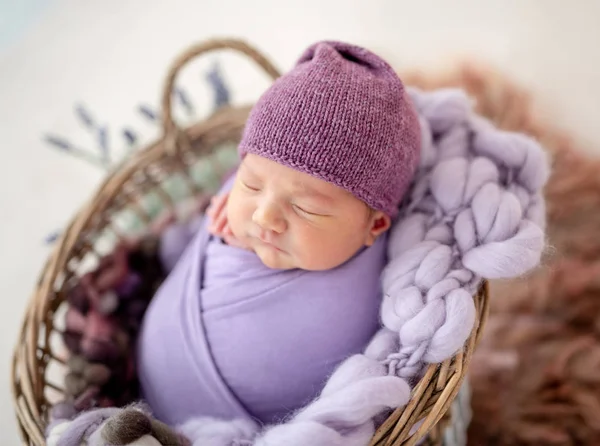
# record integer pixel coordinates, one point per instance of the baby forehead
(289, 179)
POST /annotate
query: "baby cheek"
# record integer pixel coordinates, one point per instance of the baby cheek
(312, 245)
(236, 214)
(329, 249)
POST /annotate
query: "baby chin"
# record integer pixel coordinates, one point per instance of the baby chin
(272, 257)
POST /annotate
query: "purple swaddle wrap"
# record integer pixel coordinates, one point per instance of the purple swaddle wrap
(226, 336)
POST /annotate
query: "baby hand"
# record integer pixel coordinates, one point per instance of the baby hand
(217, 212)
(219, 226)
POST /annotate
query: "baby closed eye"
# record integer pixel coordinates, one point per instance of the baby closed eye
(251, 187)
(312, 212)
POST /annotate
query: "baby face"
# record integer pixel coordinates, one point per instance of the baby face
(293, 220)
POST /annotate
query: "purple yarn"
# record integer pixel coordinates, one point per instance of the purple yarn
(85, 425)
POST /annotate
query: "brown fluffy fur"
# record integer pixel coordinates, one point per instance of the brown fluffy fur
(132, 424)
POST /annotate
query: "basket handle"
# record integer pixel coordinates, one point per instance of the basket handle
(174, 137)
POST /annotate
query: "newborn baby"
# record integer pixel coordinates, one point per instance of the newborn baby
(282, 282)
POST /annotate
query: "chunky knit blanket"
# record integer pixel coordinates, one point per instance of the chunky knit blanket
(475, 211)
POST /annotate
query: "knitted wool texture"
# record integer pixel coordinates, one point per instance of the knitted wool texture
(341, 115)
(475, 210)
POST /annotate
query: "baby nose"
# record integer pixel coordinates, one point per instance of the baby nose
(269, 217)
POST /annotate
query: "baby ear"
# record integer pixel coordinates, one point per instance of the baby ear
(379, 222)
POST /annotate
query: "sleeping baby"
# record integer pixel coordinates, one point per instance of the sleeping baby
(281, 283)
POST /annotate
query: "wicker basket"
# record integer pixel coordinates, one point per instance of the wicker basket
(423, 419)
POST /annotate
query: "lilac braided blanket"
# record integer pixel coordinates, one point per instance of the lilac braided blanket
(475, 211)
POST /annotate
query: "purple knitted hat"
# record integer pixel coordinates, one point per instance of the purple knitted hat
(341, 115)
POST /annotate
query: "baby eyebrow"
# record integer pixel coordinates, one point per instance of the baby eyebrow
(306, 191)
(248, 171)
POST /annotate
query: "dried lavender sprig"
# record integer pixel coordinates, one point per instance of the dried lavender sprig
(222, 95)
(66, 147)
(184, 100)
(103, 143)
(148, 112)
(85, 116)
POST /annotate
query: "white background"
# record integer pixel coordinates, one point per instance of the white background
(112, 54)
